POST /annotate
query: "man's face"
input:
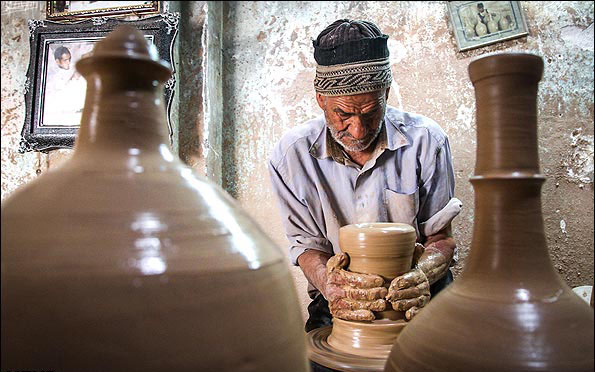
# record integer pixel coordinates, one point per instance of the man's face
(354, 121)
(64, 61)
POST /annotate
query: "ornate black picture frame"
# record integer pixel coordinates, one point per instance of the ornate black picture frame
(51, 120)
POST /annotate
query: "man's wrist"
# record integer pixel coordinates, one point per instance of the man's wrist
(434, 264)
(445, 246)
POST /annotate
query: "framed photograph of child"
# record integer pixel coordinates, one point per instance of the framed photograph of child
(55, 91)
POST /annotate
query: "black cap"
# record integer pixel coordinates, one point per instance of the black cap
(348, 41)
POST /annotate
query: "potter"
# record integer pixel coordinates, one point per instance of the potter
(363, 161)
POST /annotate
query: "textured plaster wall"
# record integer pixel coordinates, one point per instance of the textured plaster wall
(257, 58)
(268, 74)
(17, 169)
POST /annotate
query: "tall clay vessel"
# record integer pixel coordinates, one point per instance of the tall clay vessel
(124, 260)
(508, 310)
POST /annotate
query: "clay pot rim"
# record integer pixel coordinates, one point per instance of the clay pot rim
(378, 228)
(161, 67)
(498, 64)
(496, 176)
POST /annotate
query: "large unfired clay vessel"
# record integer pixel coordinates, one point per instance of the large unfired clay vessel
(384, 249)
(124, 260)
(508, 310)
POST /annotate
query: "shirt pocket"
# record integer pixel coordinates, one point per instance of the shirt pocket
(401, 207)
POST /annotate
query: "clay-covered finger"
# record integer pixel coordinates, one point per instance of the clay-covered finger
(432, 258)
(409, 279)
(419, 250)
(409, 293)
(356, 280)
(404, 305)
(409, 314)
(347, 304)
(359, 315)
(366, 294)
(436, 272)
(338, 261)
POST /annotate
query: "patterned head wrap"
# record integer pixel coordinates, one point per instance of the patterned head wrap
(352, 58)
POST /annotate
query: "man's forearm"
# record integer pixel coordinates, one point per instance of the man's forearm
(313, 265)
(438, 254)
(442, 241)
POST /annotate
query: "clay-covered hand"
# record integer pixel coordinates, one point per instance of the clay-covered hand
(411, 291)
(352, 296)
(434, 263)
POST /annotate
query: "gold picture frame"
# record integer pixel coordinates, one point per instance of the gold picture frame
(77, 10)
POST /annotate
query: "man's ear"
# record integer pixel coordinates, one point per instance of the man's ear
(321, 101)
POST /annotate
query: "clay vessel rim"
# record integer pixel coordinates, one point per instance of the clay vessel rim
(500, 64)
(504, 54)
(507, 176)
(83, 65)
(124, 44)
(379, 227)
(129, 55)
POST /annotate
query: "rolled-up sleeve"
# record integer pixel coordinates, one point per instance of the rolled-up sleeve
(437, 205)
(301, 229)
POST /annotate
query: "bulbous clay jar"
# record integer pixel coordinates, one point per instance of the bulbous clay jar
(503, 23)
(508, 310)
(384, 249)
(123, 259)
(492, 26)
(481, 29)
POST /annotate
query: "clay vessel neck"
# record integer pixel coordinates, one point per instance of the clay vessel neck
(506, 109)
(121, 115)
(123, 112)
(508, 240)
(508, 237)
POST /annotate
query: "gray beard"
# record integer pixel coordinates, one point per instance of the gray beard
(356, 145)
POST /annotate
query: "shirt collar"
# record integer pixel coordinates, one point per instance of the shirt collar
(394, 133)
(391, 138)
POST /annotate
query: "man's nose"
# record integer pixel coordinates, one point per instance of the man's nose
(357, 129)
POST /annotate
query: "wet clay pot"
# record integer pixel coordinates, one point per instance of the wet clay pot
(384, 249)
(509, 310)
(123, 259)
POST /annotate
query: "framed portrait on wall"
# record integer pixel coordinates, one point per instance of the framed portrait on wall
(55, 91)
(479, 23)
(74, 10)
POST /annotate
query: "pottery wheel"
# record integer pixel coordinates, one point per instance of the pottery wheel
(321, 352)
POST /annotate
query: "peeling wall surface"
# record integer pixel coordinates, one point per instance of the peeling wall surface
(17, 169)
(266, 72)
